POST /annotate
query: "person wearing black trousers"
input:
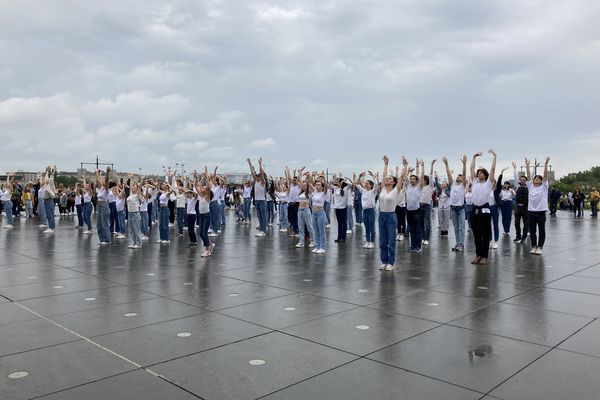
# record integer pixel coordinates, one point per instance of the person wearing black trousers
(482, 189)
(522, 201)
(340, 204)
(537, 207)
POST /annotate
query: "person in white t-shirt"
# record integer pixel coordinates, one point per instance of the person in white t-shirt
(458, 189)
(481, 217)
(389, 196)
(368, 193)
(537, 207)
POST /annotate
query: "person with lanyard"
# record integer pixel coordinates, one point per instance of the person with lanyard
(7, 202)
(537, 206)
(49, 194)
(443, 196)
(425, 203)
(260, 200)
(305, 224)
(521, 206)
(86, 207)
(204, 193)
(368, 192)
(413, 207)
(340, 190)
(319, 220)
(457, 203)
(507, 196)
(134, 217)
(593, 197)
(388, 199)
(481, 218)
(102, 208)
(282, 193)
(163, 223)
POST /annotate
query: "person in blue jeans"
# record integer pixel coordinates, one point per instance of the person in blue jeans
(368, 194)
(358, 209)
(507, 196)
(260, 200)
(102, 209)
(414, 215)
(163, 200)
(458, 189)
(319, 219)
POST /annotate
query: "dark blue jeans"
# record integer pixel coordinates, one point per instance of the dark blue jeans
(114, 218)
(247, 208)
(506, 214)
(261, 212)
(87, 215)
(358, 212)
(387, 237)
(49, 205)
(415, 224)
(214, 211)
(191, 226)
(163, 226)
(180, 219)
(79, 208)
(495, 221)
(204, 222)
(369, 221)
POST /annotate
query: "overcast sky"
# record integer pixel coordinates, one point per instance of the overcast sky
(306, 82)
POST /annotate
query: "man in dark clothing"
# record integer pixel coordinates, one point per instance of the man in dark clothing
(521, 206)
(554, 198)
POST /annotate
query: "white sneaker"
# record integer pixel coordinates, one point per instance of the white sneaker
(312, 244)
(389, 267)
(349, 231)
(539, 251)
(145, 238)
(260, 234)
(314, 250)
(283, 230)
(366, 245)
(401, 237)
(159, 241)
(321, 251)
(49, 230)
(327, 226)
(425, 242)
(372, 245)
(42, 226)
(357, 224)
(382, 267)
(120, 236)
(165, 241)
(8, 226)
(533, 250)
(87, 232)
(300, 245)
(495, 245)
(213, 235)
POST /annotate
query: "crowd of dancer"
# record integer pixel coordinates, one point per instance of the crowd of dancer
(401, 201)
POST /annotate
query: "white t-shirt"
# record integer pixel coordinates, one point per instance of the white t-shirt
(294, 192)
(133, 203)
(282, 197)
(102, 194)
(164, 199)
(191, 205)
(259, 191)
(318, 199)
(77, 199)
(388, 200)
(506, 195)
(469, 198)
(367, 199)
(481, 192)
(340, 201)
(86, 197)
(203, 205)
(216, 194)
(111, 197)
(143, 204)
(6, 195)
(120, 203)
(538, 197)
(426, 193)
(247, 192)
(443, 200)
(457, 194)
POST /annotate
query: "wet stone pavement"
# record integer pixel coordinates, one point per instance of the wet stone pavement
(261, 318)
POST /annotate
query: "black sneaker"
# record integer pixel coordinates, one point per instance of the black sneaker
(517, 240)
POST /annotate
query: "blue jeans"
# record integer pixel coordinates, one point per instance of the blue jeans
(163, 227)
(121, 219)
(214, 210)
(222, 212)
(358, 211)
(457, 215)
(144, 222)
(49, 205)
(114, 218)
(327, 211)
(247, 207)
(426, 218)
(283, 216)
(387, 237)
(180, 219)
(506, 206)
(319, 221)
(369, 221)
(79, 208)
(8, 211)
(350, 219)
(270, 211)
(305, 219)
(495, 217)
(261, 212)
(133, 226)
(29, 208)
(42, 212)
(87, 215)
(239, 211)
(204, 223)
(103, 222)
(415, 225)
(468, 212)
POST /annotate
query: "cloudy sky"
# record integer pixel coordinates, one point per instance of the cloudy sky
(321, 83)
